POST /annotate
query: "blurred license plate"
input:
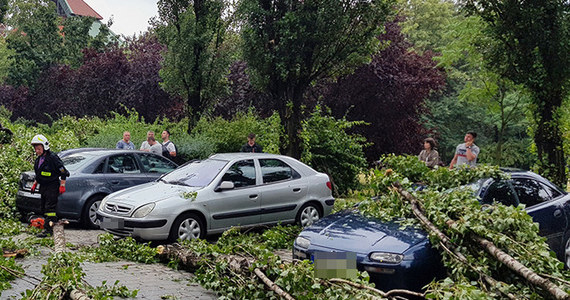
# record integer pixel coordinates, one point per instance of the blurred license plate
(334, 264)
(112, 223)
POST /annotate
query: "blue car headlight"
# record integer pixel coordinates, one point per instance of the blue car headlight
(386, 257)
(143, 211)
(303, 242)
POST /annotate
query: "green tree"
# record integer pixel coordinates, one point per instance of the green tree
(35, 40)
(425, 22)
(462, 57)
(5, 59)
(290, 44)
(197, 58)
(3, 10)
(532, 48)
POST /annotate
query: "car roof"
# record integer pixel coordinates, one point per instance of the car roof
(242, 155)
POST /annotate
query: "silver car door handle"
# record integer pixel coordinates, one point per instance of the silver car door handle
(115, 181)
(296, 189)
(254, 196)
(557, 213)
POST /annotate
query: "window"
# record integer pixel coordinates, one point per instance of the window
(500, 191)
(530, 192)
(156, 164)
(241, 173)
(122, 164)
(274, 170)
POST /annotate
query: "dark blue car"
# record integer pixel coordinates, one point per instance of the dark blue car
(396, 258)
(95, 173)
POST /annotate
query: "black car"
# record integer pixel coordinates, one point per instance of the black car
(95, 173)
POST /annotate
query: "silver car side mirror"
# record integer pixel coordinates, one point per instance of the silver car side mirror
(225, 185)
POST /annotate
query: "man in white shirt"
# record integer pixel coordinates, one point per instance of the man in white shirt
(466, 153)
(145, 146)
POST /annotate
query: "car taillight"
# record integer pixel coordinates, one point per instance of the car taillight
(329, 185)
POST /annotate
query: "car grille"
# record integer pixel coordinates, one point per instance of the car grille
(117, 209)
(120, 232)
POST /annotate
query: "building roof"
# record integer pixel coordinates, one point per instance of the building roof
(80, 8)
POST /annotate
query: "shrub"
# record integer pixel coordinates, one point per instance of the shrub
(329, 148)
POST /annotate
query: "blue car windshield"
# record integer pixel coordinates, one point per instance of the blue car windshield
(196, 174)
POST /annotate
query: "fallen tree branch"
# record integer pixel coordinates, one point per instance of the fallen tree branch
(271, 285)
(521, 269)
(446, 242)
(389, 294)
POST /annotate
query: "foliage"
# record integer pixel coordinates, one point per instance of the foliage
(388, 93)
(197, 55)
(459, 215)
(425, 22)
(297, 279)
(230, 135)
(329, 148)
(109, 80)
(112, 249)
(532, 47)
(5, 57)
(8, 263)
(289, 45)
(63, 273)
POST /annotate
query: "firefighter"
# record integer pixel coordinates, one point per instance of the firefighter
(49, 169)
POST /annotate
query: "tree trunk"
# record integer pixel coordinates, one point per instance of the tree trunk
(548, 140)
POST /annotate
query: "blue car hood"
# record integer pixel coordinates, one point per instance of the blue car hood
(352, 232)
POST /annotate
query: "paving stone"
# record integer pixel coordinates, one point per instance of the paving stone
(154, 281)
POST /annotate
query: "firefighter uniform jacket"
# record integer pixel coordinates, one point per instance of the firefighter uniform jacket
(50, 170)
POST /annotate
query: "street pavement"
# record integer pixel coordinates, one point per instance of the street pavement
(153, 281)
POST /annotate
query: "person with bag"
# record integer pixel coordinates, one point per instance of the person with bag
(168, 147)
(50, 174)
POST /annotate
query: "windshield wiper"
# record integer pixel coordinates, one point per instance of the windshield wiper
(179, 182)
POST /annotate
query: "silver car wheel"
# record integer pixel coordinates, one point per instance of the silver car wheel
(309, 215)
(93, 212)
(189, 229)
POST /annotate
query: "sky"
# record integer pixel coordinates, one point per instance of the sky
(129, 16)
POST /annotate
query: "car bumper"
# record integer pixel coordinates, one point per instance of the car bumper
(28, 202)
(406, 275)
(151, 230)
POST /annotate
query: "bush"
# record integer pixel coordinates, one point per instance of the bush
(329, 148)
(229, 136)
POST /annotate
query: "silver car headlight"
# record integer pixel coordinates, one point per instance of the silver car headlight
(303, 242)
(143, 211)
(386, 257)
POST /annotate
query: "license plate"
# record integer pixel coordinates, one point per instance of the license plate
(112, 223)
(334, 264)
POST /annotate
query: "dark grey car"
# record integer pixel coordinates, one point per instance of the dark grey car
(95, 173)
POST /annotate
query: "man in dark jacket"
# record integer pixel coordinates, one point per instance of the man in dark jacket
(49, 169)
(251, 146)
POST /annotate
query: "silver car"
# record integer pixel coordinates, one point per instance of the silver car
(212, 195)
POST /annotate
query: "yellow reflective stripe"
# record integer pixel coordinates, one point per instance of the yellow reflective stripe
(50, 214)
(44, 173)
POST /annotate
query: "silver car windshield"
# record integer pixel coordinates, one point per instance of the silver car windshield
(196, 174)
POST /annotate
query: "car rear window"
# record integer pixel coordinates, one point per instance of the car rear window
(75, 161)
(196, 174)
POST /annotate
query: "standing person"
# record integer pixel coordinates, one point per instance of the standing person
(168, 148)
(466, 153)
(126, 143)
(429, 155)
(145, 146)
(251, 146)
(154, 146)
(49, 169)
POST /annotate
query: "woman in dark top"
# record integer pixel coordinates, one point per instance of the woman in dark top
(429, 155)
